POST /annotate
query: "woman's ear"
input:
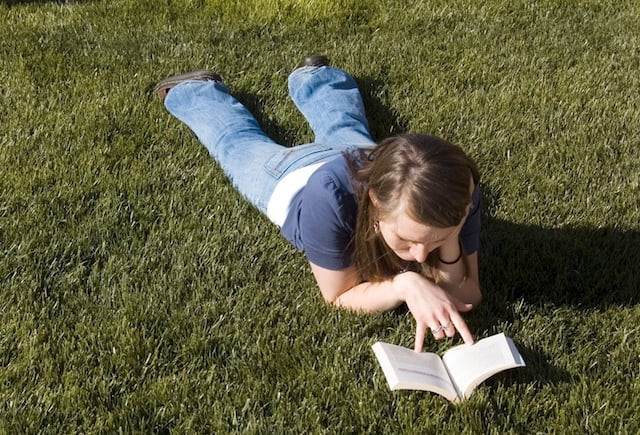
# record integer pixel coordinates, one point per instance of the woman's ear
(373, 199)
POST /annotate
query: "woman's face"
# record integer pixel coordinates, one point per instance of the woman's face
(411, 240)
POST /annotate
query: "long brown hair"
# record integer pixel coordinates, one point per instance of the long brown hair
(429, 175)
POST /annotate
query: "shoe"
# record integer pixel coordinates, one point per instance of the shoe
(164, 86)
(315, 60)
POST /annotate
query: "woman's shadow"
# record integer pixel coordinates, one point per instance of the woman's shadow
(582, 267)
(578, 266)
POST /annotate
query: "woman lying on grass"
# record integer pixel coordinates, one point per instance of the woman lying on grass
(381, 225)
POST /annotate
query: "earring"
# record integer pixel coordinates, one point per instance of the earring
(376, 227)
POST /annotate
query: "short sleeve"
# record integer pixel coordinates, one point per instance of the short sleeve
(327, 222)
(470, 232)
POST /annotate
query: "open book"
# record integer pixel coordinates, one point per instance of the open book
(453, 376)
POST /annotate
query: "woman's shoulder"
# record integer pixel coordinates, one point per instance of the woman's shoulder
(334, 177)
(330, 191)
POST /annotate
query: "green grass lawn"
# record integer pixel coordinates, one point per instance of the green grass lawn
(139, 292)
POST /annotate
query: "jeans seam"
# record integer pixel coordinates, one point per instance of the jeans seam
(283, 163)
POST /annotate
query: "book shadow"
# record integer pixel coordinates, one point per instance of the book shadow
(538, 371)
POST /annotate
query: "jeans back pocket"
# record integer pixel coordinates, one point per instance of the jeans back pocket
(297, 157)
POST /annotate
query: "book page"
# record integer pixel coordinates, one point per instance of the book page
(406, 369)
(468, 365)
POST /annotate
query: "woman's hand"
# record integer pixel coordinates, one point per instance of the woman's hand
(432, 307)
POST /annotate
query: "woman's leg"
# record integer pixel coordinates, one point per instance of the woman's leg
(253, 162)
(230, 133)
(330, 101)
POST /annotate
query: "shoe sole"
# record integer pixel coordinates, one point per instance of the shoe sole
(169, 82)
(316, 60)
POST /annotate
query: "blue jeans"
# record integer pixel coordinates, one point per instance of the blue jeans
(328, 98)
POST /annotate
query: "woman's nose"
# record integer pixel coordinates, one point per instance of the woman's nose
(419, 252)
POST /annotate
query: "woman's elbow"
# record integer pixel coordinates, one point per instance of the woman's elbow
(473, 296)
(330, 299)
(469, 293)
(337, 302)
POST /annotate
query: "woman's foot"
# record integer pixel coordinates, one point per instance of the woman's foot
(164, 86)
(314, 60)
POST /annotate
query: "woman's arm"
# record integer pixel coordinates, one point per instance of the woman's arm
(431, 305)
(453, 280)
(344, 289)
(452, 270)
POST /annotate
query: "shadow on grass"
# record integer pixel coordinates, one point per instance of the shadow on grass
(585, 267)
(274, 130)
(382, 121)
(538, 369)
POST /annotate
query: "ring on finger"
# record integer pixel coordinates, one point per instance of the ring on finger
(438, 329)
(441, 328)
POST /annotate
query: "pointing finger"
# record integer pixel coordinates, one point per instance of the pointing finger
(462, 328)
(420, 331)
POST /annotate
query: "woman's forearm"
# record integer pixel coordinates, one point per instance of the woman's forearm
(370, 297)
(452, 276)
(467, 290)
(453, 279)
